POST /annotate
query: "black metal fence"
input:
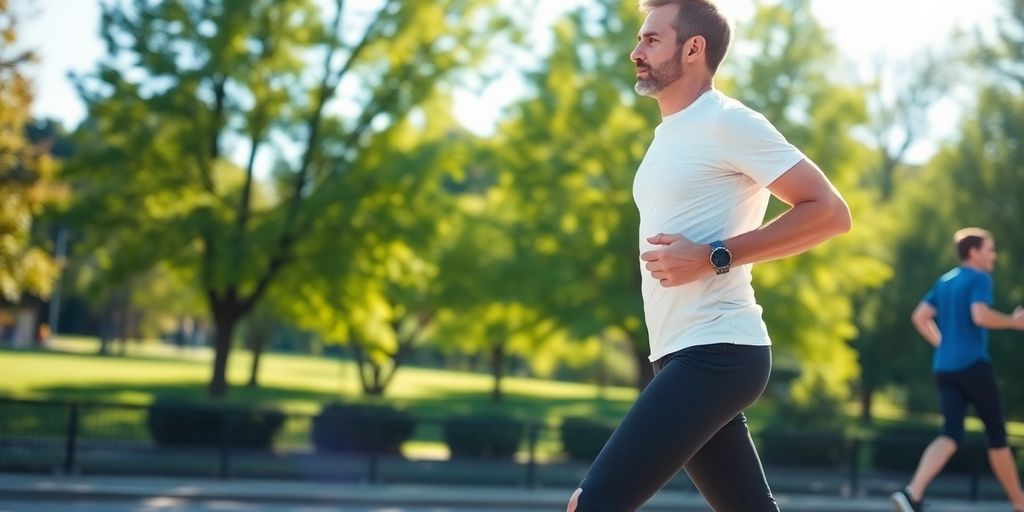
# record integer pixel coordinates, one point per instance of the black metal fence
(42, 436)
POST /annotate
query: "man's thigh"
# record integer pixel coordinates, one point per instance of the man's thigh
(728, 472)
(680, 410)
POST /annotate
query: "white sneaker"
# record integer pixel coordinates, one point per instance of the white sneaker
(901, 500)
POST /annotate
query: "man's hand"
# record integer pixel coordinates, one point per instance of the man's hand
(1018, 316)
(678, 261)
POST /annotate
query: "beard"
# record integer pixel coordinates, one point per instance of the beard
(660, 77)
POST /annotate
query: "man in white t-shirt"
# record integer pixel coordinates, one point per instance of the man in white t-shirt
(702, 192)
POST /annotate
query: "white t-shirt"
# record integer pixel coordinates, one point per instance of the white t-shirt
(705, 177)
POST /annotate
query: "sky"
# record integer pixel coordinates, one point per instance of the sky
(65, 36)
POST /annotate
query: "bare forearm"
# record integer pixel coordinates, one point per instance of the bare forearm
(799, 229)
(929, 331)
(992, 319)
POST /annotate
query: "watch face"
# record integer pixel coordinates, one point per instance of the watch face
(720, 257)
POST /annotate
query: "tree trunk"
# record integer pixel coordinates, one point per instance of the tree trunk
(867, 393)
(258, 341)
(224, 320)
(373, 386)
(497, 369)
(106, 330)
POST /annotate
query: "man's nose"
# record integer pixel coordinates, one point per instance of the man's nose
(635, 55)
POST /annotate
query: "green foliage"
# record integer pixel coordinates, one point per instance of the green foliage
(583, 437)
(810, 405)
(317, 101)
(183, 424)
(26, 175)
(985, 163)
(899, 447)
(976, 180)
(564, 162)
(789, 446)
(486, 436)
(361, 428)
(788, 74)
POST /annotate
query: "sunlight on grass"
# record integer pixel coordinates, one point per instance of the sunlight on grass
(297, 383)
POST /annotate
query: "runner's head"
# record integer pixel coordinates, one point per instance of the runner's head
(976, 247)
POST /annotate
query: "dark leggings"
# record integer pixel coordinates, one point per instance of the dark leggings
(975, 384)
(690, 416)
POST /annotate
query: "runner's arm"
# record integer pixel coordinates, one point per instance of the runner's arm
(986, 317)
(923, 318)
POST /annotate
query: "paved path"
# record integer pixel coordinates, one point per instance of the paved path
(35, 493)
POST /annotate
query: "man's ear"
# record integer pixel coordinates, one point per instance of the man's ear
(694, 47)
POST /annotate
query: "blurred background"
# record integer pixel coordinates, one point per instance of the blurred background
(405, 229)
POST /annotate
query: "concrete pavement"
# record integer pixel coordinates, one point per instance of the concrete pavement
(84, 493)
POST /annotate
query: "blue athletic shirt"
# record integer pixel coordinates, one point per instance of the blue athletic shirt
(963, 342)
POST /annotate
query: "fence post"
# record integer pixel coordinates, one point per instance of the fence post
(854, 466)
(374, 462)
(224, 471)
(975, 474)
(71, 445)
(531, 463)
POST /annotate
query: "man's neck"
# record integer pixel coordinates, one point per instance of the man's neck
(675, 99)
(973, 266)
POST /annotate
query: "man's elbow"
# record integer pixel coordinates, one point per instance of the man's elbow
(981, 320)
(842, 220)
(920, 320)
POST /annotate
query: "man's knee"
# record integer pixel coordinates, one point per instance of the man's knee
(573, 500)
(951, 440)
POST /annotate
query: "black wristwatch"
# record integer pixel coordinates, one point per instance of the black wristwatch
(721, 258)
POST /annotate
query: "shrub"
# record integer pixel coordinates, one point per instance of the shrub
(361, 428)
(899, 447)
(173, 423)
(786, 446)
(483, 436)
(583, 438)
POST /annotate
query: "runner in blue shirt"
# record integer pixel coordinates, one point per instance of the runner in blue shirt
(954, 317)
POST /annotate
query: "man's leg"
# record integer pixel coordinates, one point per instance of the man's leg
(983, 392)
(728, 472)
(699, 390)
(953, 401)
(1001, 460)
(932, 461)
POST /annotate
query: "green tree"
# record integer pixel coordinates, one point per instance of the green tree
(784, 67)
(495, 275)
(974, 180)
(373, 284)
(989, 182)
(194, 95)
(984, 167)
(26, 174)
(566, 159)
(899, 107)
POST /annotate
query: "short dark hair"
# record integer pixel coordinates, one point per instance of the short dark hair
(970, 238)
(699, 18)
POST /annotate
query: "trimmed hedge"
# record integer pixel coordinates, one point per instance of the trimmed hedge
(790, 447)
(174, 423)
(361, 428)
(583, 437)
(899, 447)
(483, 436)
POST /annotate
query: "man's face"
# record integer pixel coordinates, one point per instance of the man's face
(985, 256)
(657, 56)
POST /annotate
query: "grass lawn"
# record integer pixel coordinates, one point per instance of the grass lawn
(300, 384)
